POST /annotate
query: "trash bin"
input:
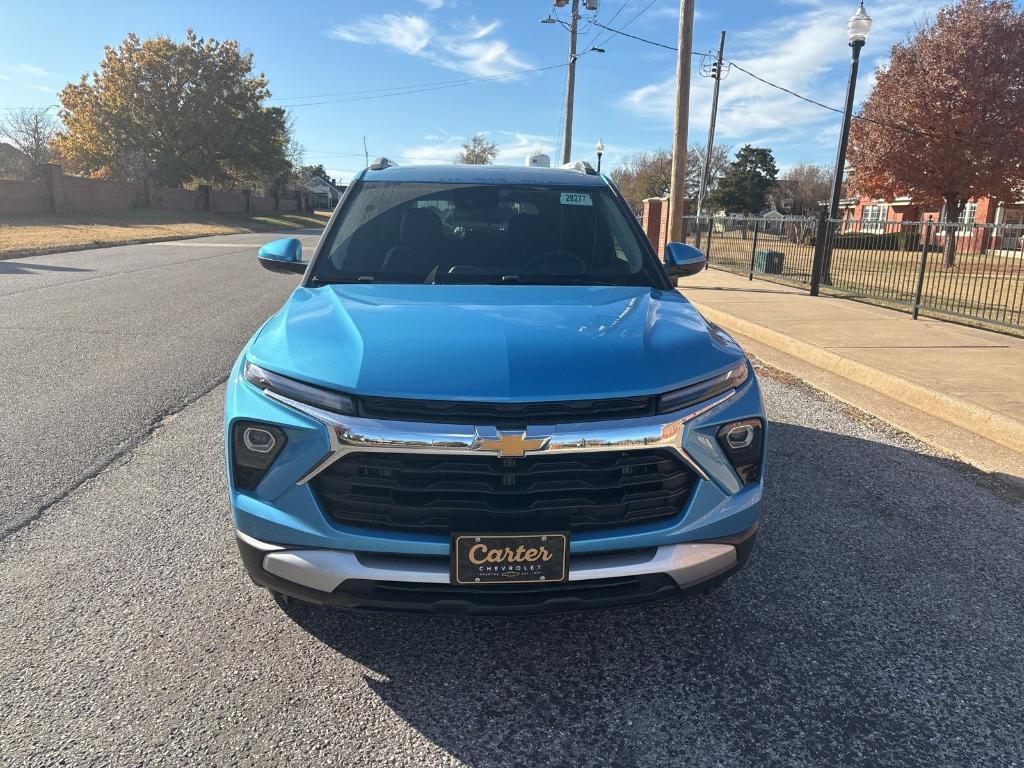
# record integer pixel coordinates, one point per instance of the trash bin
(769, 262)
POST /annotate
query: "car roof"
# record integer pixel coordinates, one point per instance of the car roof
(486, 174)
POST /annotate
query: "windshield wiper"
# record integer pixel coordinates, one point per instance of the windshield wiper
(343, 280)
(549, 280)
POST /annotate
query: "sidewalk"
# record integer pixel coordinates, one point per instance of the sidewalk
(971, 379)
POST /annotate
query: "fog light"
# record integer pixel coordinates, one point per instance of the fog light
(254, 446)
(743, 444)
(258, 440)
(739, 436)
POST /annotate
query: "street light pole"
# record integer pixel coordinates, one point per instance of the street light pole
(857, 34)
(600, 151)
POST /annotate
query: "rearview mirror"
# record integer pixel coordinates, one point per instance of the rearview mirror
(682, 260)
(282, 256)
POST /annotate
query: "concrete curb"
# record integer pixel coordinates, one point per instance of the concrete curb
(989, 424)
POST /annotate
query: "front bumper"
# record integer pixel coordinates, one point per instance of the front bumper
(383, 583)
(320, 560)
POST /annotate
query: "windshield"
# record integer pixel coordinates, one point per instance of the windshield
(404, 232)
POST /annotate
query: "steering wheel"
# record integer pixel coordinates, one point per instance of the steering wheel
(551, 259)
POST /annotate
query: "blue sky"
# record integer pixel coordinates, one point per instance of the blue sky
(344, 51)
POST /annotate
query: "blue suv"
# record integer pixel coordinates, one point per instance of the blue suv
(486, 396)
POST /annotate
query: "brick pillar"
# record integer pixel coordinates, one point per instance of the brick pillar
(654, 219)
(666, 224)
(53, 175)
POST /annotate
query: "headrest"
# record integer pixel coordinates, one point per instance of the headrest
(420, 225)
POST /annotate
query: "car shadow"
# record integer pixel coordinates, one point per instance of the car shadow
(15, 267)
(878, 622)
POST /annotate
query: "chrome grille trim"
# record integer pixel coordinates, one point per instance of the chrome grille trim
(352, 433)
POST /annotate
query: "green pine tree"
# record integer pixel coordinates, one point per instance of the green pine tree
(744, 187)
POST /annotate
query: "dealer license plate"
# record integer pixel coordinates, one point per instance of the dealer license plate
(509, 559)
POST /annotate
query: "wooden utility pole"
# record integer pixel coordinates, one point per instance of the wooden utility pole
(677, 196)
(570, 87)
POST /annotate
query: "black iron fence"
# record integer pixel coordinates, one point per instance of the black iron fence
(974, 272)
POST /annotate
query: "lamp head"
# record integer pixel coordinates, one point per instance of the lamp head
(859, 26)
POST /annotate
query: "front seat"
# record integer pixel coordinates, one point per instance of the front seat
(419, 243)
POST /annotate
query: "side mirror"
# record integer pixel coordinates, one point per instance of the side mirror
(283, 256)
(682, 260)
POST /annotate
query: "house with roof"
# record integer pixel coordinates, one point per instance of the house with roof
(324, 193)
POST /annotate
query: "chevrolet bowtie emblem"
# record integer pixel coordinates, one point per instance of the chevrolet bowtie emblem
(510, 445)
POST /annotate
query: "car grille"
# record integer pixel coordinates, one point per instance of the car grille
(430, 493)
(505, 414)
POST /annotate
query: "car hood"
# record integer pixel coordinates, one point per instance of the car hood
(501, 343)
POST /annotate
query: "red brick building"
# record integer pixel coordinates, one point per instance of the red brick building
(1005, 230)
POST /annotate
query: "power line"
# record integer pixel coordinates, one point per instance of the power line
(619, 31)
(459, 81)
(406, 90)
(641, 39)
(377, 93)
(809, 100)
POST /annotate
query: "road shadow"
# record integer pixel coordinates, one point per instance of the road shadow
(878, 622)
(14, 267)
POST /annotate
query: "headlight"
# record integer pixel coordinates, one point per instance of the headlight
(327, 399)
(678, 399)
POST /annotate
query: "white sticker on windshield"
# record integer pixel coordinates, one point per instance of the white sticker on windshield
(576, 198)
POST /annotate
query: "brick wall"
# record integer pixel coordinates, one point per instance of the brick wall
(174, 199)
(229, 202)
(260, 203)
(23, 197)
(93, 195)
(57, 193)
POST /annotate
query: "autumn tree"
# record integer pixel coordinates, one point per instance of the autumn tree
(803, 188)
(944, 120)
(477, 151)
(745, 184)
(29, 130)
(175, 112)
(649, 174)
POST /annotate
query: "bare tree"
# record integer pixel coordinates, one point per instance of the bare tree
(802, 188)
(649, 174)
(29, 130)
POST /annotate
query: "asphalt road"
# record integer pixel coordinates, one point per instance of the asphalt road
(879, 623)
(96, 346)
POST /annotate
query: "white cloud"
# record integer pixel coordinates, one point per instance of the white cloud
(807, 52)
(40, 88)
(434, 5)
(22, 70)
(513, 147)
(471, 47)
